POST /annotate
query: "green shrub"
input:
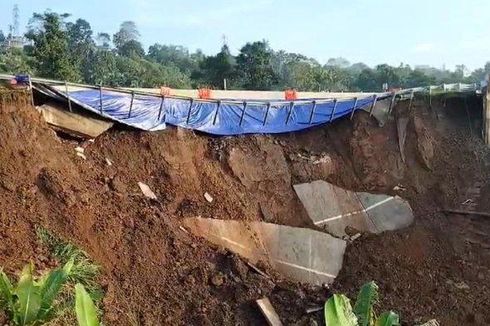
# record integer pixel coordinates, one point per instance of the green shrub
(338, 310)
(30, 302)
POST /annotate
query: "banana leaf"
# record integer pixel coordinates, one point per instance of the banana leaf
(366, 299)
(85, 308)
(28, 298)
(388, 318)
(6, 299)
(338, 311)
(50, 287)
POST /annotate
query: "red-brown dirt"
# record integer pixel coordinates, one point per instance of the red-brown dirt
(155, 273)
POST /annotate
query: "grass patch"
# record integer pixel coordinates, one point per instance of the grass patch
(84, 271)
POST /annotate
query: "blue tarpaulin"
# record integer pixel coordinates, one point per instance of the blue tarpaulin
(225, 117)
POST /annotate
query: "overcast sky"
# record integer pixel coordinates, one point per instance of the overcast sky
(433, 32)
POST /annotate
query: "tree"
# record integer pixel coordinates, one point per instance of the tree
(104, 41)
(418, 78)
(131, 48)
(80, 41)
(127, 32)
(138, 72)
(214, 69)
(367, 81)
(254, 66)
(101, 68)
(478, 75)
(175, 54)
(387, 74)
(15, 61)
(338, 62)
(50, 46)
(2, 37)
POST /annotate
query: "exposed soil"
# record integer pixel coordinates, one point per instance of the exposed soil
(155, 273)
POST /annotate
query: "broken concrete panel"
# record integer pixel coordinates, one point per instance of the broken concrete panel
(302, 254)
(72, 122)
(387, 213)
(335, 208)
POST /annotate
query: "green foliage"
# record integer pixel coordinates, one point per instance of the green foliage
(85, 308)
(254, 66)
(338, 311)
(61, 49)
(131, 49)
(13, 61)
(30, 302)
(214, 69)
(176, 56)
(82, 269)
(388, 318)
(366, 299)
(51, 46)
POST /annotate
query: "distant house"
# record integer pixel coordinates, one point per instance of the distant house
(13, 42)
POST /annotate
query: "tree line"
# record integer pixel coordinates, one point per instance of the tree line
(65, 50)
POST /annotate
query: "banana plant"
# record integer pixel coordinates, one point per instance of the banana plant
(85, 307)
(338, 310)
(30, 302)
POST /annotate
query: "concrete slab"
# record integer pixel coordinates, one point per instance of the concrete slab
(335, 208)
(73, 122)
(301, 254)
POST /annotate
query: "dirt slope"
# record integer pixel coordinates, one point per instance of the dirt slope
(155, 273)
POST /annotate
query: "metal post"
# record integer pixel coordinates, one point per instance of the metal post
(468, 114)
(375, 98)
(411, 100)
(392, 103)
(100, 98)
(333, 109)
(161, 108)
(243, 112)
(68, 96)
(353, 108)
(189, 113)
(216, 112)
(32, 90)
(131, 105)
(430, 97)
(267, 113)
(291, 107)
(313, 107)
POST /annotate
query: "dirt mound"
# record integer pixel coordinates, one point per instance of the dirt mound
(155, 273)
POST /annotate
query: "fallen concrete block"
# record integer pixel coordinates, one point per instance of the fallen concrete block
(73, 123)
(335, 208)
(301, 254)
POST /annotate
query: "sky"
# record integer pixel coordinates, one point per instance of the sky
(416, 32)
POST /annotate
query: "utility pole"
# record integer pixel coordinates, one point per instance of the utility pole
(15, 21)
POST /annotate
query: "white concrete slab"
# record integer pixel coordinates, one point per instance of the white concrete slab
(72, 122)
(335, 208)
(301, 254)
